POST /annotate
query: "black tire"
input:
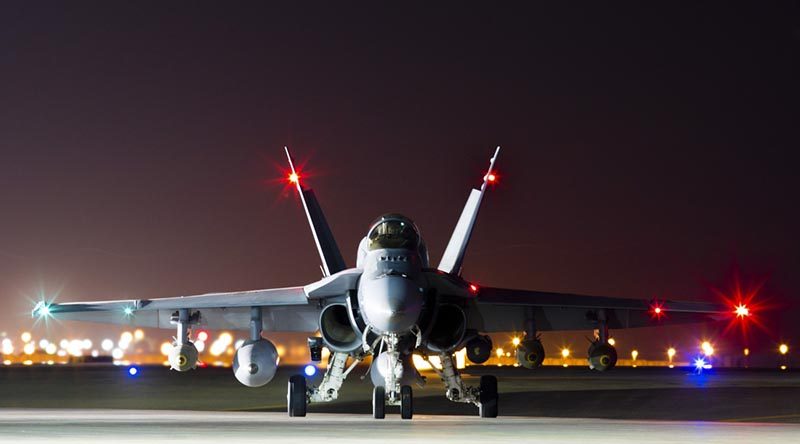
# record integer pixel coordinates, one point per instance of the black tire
(406, 402)
(488, 397)
(379, 402)
(296, 397)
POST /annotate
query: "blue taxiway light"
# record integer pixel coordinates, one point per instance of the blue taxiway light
(133, 371)
(310, 370)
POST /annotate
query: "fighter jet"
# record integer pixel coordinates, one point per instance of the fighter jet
(391, 305)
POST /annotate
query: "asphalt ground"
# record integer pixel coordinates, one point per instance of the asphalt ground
(729, 395)
(155, 426)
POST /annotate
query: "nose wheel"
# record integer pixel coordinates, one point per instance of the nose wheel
(406, 402)
(379, 402)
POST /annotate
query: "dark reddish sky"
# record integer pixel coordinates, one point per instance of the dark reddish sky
(646, 152)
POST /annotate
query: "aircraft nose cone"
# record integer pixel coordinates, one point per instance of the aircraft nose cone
(391, 303)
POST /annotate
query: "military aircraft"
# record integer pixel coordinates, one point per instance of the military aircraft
(392, 304)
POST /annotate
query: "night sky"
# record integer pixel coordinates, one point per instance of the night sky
(647, 152)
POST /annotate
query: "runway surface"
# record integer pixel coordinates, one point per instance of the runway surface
(139, 426)
(625, 393)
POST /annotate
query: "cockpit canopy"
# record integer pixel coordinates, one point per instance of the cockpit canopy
(393, 231)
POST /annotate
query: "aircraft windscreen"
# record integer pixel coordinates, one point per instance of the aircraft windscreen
(393, 234)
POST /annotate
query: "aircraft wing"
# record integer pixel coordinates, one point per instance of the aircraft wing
(291, 309)
(506, 310)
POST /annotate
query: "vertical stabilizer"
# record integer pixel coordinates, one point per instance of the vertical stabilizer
(453, 257)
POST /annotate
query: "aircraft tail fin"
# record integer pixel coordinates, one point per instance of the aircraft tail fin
(329, 254)
(453, 257)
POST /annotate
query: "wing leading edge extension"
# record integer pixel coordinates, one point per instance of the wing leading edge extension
(507, 310)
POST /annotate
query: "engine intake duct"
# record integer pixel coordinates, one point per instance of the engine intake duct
(337, 331)
(449, 328)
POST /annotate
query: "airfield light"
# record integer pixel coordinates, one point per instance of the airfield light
(565, 353)
(783, 367)
(310, 370)
(8, 347)
(500, 352)
(747, 352)
(202, 335)
(200, 346)
(95, 353)
(166, 347)
(226, 338)
(611, 341)
(43, 344)
(29, 348)
(64, 343)
(783, 349)
(107, 344)
(515, 341)
(51, 349)
(634, 354)
(671, 353)
(742, 311)
(133, 371)
(86, 344)
(138, 334)
(26, 337)
(707, 348)
(699, 364)
(117, 353)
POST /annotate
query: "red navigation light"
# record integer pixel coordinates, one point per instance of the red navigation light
(491, 178)
(294, 178)
(473, 288)
(742, 311)
(657, 309)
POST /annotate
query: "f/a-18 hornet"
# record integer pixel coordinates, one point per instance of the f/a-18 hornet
(392, 304)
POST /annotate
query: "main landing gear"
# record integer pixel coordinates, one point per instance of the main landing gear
(484, 396)
(299, 394)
